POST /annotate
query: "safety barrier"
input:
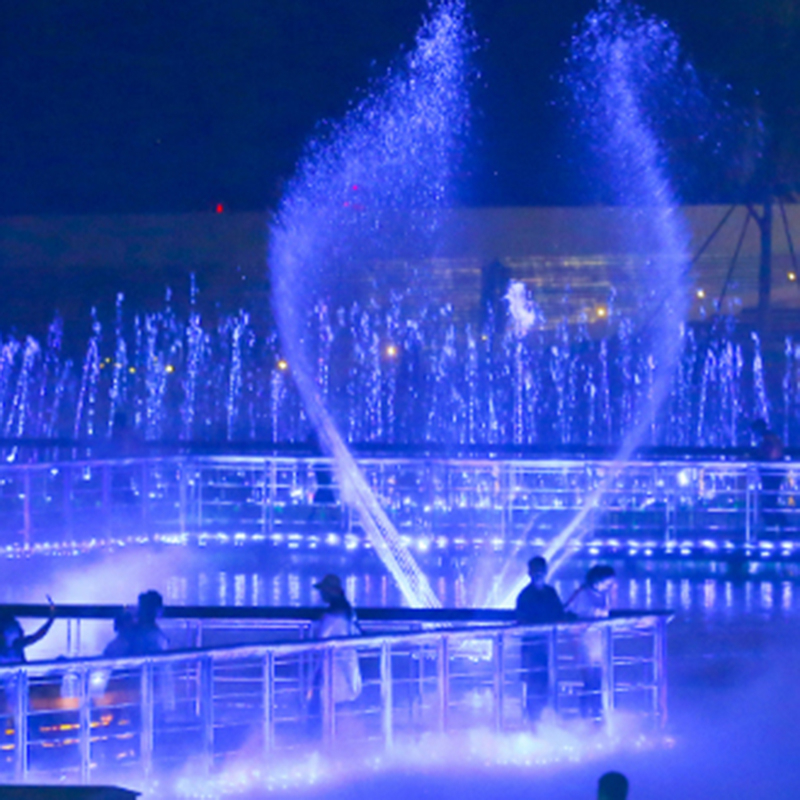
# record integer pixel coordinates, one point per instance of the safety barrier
(86, 719)
(436, 504)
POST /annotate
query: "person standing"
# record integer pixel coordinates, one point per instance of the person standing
(537, 604)
(13, 640)
(147, 638)
(338, 619)
(592, 601)
(769, 448)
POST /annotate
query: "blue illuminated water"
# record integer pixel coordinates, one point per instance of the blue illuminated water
(374, 185)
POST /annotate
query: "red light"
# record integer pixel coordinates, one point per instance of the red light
(355, 187)
(220, 209)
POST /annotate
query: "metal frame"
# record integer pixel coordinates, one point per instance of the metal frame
(434, 503)
(202, 706)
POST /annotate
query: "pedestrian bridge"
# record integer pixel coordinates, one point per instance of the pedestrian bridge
(667, 507)
(196, 711)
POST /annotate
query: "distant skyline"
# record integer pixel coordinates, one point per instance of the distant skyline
(151, 107)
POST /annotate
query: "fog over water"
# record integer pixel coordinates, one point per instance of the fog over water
(733, 658)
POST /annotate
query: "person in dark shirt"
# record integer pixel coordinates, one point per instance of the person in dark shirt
(612, 786)
(146, 638)
(537, 604)
(122, 644)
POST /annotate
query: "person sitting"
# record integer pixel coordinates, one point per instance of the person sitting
(612, 786)
(13, 640)
(537, 604)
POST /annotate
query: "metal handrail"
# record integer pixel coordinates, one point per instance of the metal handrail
(263, 498)
(267, 613)
(617, 621)
(69, 718)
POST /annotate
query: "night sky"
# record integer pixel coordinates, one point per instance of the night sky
(142, 106)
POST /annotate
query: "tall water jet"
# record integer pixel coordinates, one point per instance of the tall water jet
(621, 65)
(374, 188)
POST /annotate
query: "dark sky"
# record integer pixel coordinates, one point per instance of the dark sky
(177, 105)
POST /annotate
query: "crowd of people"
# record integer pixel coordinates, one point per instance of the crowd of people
(137, 633)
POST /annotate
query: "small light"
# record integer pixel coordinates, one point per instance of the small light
(792, 276)
(169, 368)
(131, 370)
(283, 365)
(601, 312)
(220, 208)
(391, 350)
(701, 293)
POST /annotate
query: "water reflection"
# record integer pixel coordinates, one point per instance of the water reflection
(699, 597)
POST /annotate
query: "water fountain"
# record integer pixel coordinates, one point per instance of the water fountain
(408, 374)
(559, 388)
(376, 185)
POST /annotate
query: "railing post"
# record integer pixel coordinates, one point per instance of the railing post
(751, 503)
(21, 727)
(498, 661)
(207, 711)
(145, 496)
(199, 494)
(85, 725)
(147, 714)
(66, 487)
(387, 700)
(670, 506)
(105, 481)
(327, 706)
(607, 678)
(552, 667)
(26, 507)
(269, 701)
(443, 681)
(660, 670)
(183, 479)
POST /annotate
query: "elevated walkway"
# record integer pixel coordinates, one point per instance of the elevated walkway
(670, 506)
(198, 711)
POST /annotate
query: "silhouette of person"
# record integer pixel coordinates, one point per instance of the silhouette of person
(146, 637)
(123, 643)
(324, 495)
(14, 641)
(592, 601)
(769, 448)
(612, 786)
(537, 604)
(337, 619)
